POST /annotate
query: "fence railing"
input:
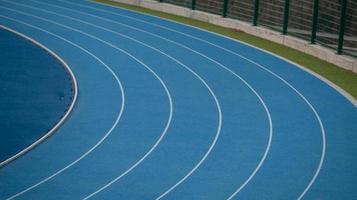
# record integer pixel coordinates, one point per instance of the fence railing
(331, 23)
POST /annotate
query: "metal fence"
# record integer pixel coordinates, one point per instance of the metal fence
(331, 23)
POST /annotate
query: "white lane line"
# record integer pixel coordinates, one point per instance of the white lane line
(69, 110)
(260, 99)
(143, 64)
(110, 130)
(323, 135)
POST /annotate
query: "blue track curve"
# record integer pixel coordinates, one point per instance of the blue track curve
(217, 144)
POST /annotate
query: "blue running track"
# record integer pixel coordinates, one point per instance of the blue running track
(168, 111)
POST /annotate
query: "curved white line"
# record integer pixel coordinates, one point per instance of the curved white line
(70, 108)
(148, 68)
(262, 67)
(260, 99)
(105, 136)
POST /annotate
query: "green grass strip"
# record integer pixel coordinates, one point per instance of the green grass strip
(345, 79)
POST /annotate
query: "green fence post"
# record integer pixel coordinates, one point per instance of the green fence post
(314, 21)
(193, 6)
(286, 17)
(341, 31)
(225, 8)
(256, 12)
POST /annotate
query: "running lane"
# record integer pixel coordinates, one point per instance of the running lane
(242, 127)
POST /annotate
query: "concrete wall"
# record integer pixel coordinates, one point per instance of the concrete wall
(323, 53)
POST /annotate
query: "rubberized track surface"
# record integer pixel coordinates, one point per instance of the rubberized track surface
(167, 111)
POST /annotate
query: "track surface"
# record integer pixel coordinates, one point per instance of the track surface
(169, 111)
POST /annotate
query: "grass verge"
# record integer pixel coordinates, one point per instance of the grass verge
(345, 79)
